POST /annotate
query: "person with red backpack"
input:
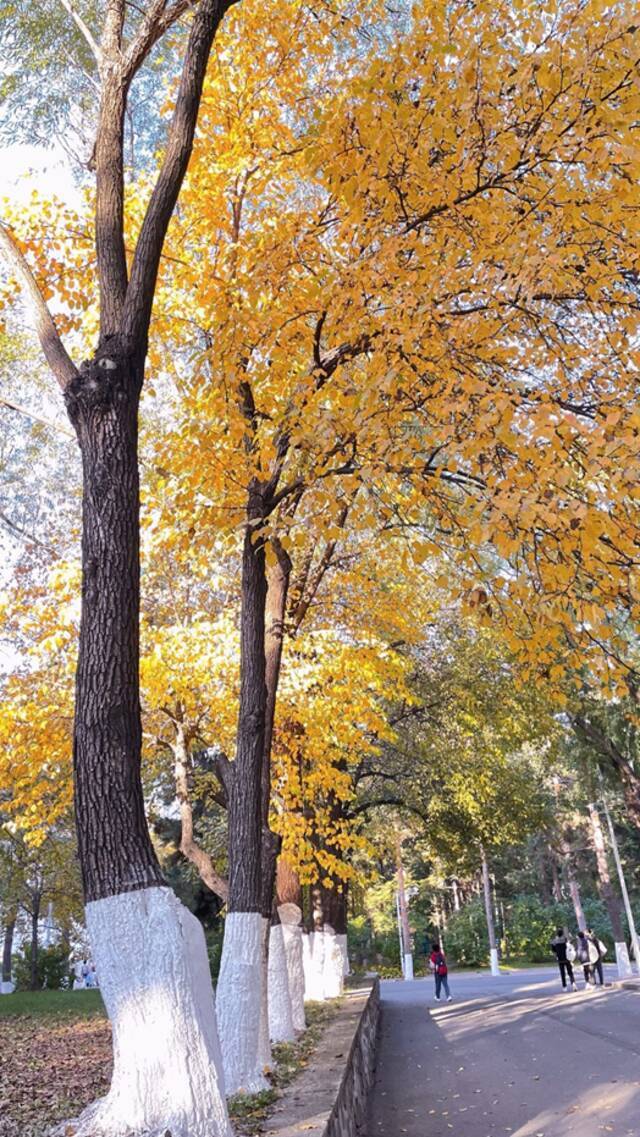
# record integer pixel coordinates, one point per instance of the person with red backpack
(438, 966)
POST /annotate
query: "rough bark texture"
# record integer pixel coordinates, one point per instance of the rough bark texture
(245, 803)
(605, 885)
(115, 850)
(330, 906)
(288, 887)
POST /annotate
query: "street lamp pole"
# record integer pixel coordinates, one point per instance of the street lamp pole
(403, 913)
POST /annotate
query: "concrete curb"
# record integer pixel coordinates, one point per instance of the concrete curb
(330, 1098)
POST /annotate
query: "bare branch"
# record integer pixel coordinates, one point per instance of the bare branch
(36, 418)
(29, 537)
(52, 346)
(85, 31)
(140, 293)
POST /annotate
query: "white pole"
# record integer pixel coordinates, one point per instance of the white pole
(493, 947)
(623, 887)
(400, 932)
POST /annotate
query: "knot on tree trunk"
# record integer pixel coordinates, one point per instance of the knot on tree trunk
(112, 377)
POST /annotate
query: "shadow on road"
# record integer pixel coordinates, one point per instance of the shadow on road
(514, 1057)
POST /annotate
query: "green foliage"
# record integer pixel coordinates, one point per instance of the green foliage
(214, 937)
(52, 967)
(48, 78)
(466, 938)
(370, 949)
(530, 925)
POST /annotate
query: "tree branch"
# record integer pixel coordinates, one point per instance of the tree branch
(52, 346)
(188, 844)
(36, 418)
(29, 537)
(140, 293)
(84, 30)
(155, 23)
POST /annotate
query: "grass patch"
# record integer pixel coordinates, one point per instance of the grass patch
(249, 1111)
(64, 1005)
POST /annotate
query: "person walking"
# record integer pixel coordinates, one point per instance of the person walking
(565, 953)
(601, 949)
(438, 965)
(588, 955)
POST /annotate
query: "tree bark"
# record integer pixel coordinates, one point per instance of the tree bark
(278, 577)
(574, 887)
(456, 894)
(7, 950)
(243, 969)
(555, 880)
(35, 916)
(605, 885)
(245, 803)
(115, 850)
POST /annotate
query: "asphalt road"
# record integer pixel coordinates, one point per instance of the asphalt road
(510, 1055)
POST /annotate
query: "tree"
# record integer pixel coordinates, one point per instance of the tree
(138, 930)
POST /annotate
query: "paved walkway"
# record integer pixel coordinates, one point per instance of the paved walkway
(510, 1055)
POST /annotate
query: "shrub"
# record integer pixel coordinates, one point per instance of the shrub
(52, 967)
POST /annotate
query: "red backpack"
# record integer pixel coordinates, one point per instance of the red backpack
(440, 964)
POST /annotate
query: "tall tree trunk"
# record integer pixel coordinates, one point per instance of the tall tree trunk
(277, 1018)
(35, 916)
(242, 967)
(150, 952)
(572, 882)
(278, 577)
(456, 894)
(115, 850)
(556, 884)
(7, 950)
(605, 885)
(591, 732)
(488, 908)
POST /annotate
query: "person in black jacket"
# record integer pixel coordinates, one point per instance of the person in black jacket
(559, 945)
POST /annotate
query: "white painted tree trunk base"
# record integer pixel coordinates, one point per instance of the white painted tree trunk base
(493, 957)
(292, 934)
(6, 987)
(281, 1028)
(624, 963)
(240, 1002)
(265, 1060)
(313, 960)
(151, 959)
(408, 966)
(342, 941)
(333, 965)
